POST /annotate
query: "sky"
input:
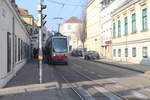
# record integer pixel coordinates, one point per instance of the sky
(55, 8)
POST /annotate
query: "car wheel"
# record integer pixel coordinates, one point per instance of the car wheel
(66, 63)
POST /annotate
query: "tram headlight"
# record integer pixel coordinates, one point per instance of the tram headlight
(54, 54)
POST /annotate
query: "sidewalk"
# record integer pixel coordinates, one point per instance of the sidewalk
(29, 74)
(25, 85)
(126, 65)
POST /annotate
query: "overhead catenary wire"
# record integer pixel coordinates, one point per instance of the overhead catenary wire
(74, 10)
(64, 4)
(60, 11)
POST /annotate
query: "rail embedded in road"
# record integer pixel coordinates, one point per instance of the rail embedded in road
(107, 93)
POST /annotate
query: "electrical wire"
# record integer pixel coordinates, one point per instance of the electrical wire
(64, 4)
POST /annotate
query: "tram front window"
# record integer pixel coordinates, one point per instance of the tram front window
(60, 45)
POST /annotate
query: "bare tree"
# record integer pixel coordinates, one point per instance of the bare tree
(83, 28)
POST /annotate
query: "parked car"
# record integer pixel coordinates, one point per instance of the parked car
(91, 55)
(77, 53)
(74, 53)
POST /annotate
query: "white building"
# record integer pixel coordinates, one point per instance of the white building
(14, 42)
(71, 28)
(108, 6)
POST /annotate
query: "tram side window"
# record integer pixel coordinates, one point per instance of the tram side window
(8, 52)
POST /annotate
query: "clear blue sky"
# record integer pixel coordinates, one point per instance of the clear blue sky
(54, 9)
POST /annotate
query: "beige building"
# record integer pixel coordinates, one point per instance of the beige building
(93, 26)
(71, 28)
(131, 34)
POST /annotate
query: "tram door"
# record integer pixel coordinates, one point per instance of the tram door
(8, 52)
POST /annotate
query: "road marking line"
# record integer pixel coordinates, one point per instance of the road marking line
(86, 70)
(113, 81)
(101, 76)
(93, 72)
(148, 89)
(118, 86)
(85, 93)
(139, 95)
(108, 94)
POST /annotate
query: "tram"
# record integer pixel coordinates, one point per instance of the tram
(56, 49)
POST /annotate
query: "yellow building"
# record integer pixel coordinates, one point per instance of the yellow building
(27, 19)
(131, 34)
(93, 26)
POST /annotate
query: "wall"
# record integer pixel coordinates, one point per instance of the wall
(106, 23)
(73, 34)
(7, 15)
(93, 26)
(139, 39)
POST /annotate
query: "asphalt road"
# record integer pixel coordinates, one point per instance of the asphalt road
(102, 70)
(79, 80)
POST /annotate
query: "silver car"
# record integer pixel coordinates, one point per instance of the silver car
(91, 55)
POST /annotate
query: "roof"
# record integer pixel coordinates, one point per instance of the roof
(23, 11)
(73, 19)
(125, 3)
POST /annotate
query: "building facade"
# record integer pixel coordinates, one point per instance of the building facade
(27, 19)
(131, 34)
(93, 41)
(108, 6)
(71, 28)
(14, 42)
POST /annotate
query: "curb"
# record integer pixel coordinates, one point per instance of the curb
(115, 65)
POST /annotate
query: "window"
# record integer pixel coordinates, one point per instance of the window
(125, 25)
(114, 30)
(8, 52)
(119, 28)
(133, 23)
(126, 52)
(114, 52)
(59, 45)
(24, 50)
(19, 57)
(69, 27)
(144, 19)
(21, 50)
(119, 52)
(15, 48)
(133, 52)
(145, 52)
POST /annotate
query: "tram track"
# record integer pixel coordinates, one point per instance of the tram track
(92, 80)
(70, 85)
(97, 86)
